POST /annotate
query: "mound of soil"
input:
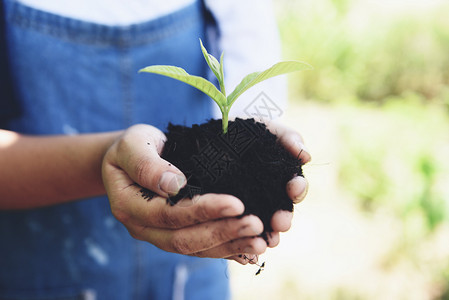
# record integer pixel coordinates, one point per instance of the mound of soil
(246, 162)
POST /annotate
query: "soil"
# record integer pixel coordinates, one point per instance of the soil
(247, 162)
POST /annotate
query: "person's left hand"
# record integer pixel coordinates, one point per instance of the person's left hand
(296, 188)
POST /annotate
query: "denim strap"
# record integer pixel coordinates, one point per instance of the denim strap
(9, 107)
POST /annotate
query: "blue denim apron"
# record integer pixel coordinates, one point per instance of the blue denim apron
(76, 77)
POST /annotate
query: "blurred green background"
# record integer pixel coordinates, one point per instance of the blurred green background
(375, 114)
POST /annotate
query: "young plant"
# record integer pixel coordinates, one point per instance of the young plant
(219, 96)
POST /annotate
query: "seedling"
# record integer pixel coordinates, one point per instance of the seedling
(219, 96)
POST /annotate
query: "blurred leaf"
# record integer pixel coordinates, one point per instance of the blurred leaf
(362, 51)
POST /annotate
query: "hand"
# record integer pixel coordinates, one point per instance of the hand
(204, 226)
(296, 188)
(294, 143)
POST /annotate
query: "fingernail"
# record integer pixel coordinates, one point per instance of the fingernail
(171, 183)
(251, 228)
(248, 230)
(304, 153)
(233, 209)
(230, 212)
(305, 188)
(251, 258)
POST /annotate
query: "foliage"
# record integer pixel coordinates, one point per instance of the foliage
(223, 101)
(380, 92)
(394, 164)
(394, 160)
(367, 50)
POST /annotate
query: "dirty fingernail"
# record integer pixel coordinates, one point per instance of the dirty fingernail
(304, 153)
(297, 188)
(253, 258)
(252, 227)
(248, 230)
(171, 183)
(304, 187)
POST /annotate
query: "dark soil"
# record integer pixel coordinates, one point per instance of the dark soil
(247, 162)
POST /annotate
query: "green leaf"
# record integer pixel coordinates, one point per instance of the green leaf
(198, 82)
(222, 86)
(213, 63)
(215, 66)
(256, 77)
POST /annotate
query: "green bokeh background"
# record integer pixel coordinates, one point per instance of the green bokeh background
(375, 115)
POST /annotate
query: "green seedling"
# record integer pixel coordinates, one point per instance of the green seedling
(219, 96)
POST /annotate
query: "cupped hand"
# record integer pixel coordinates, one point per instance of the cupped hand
(294, 143)
(297, 187)
(205, 226)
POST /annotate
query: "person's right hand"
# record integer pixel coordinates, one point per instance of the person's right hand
(205, 226)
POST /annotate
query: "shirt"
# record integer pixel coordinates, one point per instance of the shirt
(247, 34)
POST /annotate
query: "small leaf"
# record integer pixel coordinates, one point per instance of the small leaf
(256, 77)
(222, 86)
(213, 63)
(198, 82)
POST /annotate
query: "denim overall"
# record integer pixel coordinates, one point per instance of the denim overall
(74, 77)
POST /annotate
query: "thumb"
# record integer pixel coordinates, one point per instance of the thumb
(138, 154)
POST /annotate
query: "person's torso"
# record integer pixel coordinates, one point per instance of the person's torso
(74, 77)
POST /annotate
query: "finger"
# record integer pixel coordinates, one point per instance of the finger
(292, 141)
(138, 154)
(273, 239)
(281, 221)
(297, 188)
(205, 236)
(245, 258)
(239, 259)
(205, 208)
(128, 205)
(254, 245)
(156, 213)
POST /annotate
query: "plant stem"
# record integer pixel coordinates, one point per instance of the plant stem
(224, 120)
(222, 87)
